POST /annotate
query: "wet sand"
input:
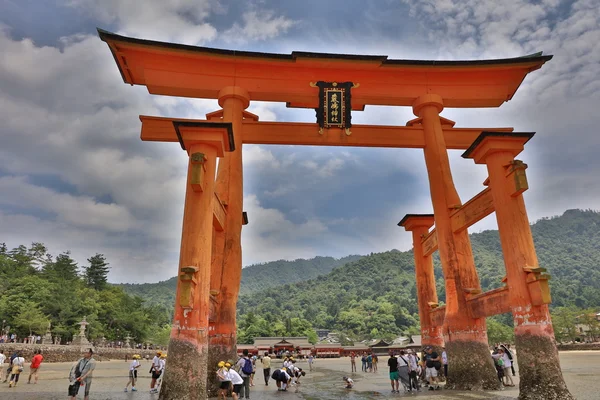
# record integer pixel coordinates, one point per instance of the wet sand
(581, 370)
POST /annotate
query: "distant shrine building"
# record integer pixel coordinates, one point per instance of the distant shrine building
(336, 86)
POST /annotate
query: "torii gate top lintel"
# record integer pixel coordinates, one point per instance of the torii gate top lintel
(201, 72)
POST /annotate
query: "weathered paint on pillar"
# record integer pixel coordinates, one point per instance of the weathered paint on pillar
(227, 263)
(419, 225)
(186, 376)
(537, 355)
(470, 365)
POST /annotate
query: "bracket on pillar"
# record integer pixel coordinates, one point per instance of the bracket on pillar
(187, 286)
(214, 301)
(197, 173)
(516, 170)
(244, 218)
(433, 305)
(537, 283)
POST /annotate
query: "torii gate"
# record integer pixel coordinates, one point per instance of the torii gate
(204, 328)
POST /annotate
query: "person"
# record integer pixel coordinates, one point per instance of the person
(413, 371)
(133, 367)
(283, 379)
(16, 369)
(155, 370)
(311, 360)
(352, 362)
(506, 364)
(244, 368)
(224, 379)
(375, 360)
(432, 364)
(163, 365)
(403, 371)
(370, 363)
(36, 361)
(266, 364)
(445, 362)
(236, 380)
(253, 370)
(2, 359)
(393, 365)
(83, 372)
(349, 382)
(510, 357)
(9, 369)
(364, 362)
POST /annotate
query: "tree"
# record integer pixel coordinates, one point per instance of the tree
(30, 318)
(64, 268)
(96, 274)
(498, 332)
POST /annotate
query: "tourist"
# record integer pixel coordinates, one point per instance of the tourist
(155, 371)
(393, 365)
(403, 371)
(9, 368)
(16, 369)
(83, 372)
(284, 378)
(506, 364)
(349, 382)
(370, 363)
(311, 359)
(224, 380)
(236, 380)
(414, 371)
(133, 367)
(375, 360)
(253, 370)
(445, 362)
(432, 365)
(510, 357)
(364, 362)
(266, 364)
(244, 368)
(352, 362)
(163, 365)
(2, 359)
(36, 361)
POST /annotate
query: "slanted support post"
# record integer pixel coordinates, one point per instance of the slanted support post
(226, 269)
(465, 336)
(419, 225)
(528, 292)
(186, 377)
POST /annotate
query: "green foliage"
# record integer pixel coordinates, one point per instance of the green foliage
(36, 289)
(499, 332)
(95, 275)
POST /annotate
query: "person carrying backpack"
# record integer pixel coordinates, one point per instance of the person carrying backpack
(245, 368)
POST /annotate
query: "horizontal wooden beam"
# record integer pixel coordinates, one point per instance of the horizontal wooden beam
(300, 133)
(490, 303)
(219, 214)
(473, 211)
(429, 243)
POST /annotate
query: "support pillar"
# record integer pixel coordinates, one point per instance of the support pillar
(470, 365)
(539, 367)
(419, 225)
(227, 262)
(186, 376)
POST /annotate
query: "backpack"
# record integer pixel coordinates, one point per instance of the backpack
(247, 368)
(276, 374)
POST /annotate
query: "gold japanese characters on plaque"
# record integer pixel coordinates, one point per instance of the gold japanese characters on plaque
(335, 105)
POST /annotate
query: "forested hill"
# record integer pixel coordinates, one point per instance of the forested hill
(254, 278)
(375, 296)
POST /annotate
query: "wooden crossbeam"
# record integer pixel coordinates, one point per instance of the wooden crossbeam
(219, 214)
(473, 211)
(490, 303)
(160, 129)
(429, 243)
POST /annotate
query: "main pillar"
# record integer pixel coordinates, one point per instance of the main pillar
(419, 225)
(227, 263)
(539, 366)
(470, 366)
(186, 376)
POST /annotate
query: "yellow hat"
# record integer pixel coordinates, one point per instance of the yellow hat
(227, 364)
(163, 355)
(136, 356)
(221, 364)
(284, 369)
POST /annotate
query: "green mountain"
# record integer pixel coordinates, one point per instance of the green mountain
(254, 278)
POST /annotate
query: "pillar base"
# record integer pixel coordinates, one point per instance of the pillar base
(470, 366)
(219, 352)
(186, 372)
(539, 369)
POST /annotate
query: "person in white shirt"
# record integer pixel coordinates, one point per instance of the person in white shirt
(133, 367)
(2, 359)
(284, 378)
(17, 367)
(236, 380)
(445, 362)
(155, 370)
(413, 371)
(163, 365)
(403, 371)
(349, 382)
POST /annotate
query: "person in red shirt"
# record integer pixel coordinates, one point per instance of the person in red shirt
(36, 361)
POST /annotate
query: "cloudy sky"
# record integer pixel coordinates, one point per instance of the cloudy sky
(75, 175)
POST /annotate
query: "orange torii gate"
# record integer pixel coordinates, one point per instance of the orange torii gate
(204, 328)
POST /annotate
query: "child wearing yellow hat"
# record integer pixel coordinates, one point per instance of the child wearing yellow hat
(236, 380)
(133, 367)
(223, 377)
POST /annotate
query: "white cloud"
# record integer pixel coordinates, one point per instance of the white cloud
(258, 25)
